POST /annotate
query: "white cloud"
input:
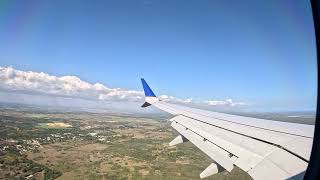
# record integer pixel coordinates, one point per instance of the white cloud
(72, 86)
(227, 102)
(167, 98)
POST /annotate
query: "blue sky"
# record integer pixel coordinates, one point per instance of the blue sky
(258, 52)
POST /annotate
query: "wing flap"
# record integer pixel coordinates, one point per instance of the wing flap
(228, 148)
(268, 170)
(216, 153)
(229, 141)
(282, 164)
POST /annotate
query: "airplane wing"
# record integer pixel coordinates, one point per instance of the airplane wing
(265, 149)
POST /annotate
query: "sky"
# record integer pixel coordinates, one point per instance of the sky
(256, 55)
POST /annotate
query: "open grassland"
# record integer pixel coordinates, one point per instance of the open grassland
(54, 125)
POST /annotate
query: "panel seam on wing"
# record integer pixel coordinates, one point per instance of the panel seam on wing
(276, 145)
(170, 107)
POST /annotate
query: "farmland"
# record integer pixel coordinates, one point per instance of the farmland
(49, 145)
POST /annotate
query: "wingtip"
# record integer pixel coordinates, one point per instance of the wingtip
(147, 90)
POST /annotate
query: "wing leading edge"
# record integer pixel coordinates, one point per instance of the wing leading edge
(265, 149)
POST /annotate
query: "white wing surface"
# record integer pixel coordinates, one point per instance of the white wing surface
(265, 149)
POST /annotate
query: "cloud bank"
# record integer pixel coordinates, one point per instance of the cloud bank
(65, 86)
(13, 80)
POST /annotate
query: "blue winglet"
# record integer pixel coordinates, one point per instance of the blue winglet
(147, 89)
